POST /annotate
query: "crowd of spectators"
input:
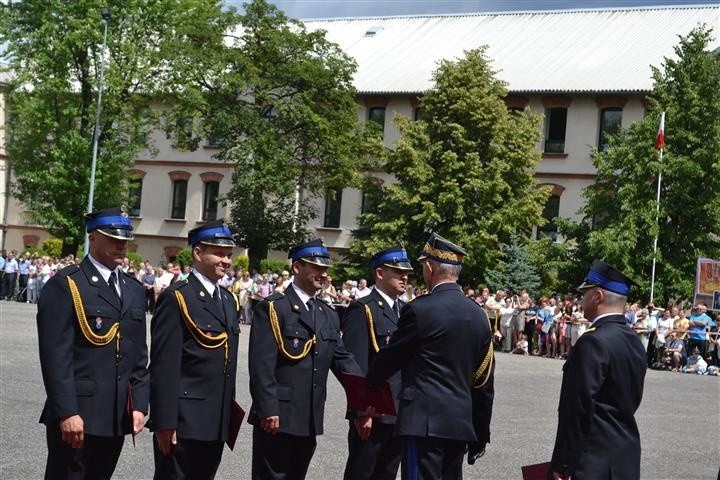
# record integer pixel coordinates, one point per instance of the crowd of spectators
(547, 326)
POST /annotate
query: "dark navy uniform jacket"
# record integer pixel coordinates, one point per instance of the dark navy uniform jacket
(358, 340)
(602, 387)
(81, 378)
(441, 341)
(192, 387)
(294, 390)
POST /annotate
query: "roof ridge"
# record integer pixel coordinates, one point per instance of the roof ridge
(698, 6)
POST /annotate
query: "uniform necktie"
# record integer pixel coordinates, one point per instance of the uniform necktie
(310, 304)
(218, 301)
(396, 308)
(112, 281)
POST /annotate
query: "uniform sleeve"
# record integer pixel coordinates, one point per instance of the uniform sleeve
(56, 335)
(262, 361)
(403, 345)
(140, 377)
(355, 334)
(584, 374)
(166, 333)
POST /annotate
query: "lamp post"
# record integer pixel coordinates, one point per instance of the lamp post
(105, 12)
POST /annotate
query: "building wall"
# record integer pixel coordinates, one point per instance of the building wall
(157, 234)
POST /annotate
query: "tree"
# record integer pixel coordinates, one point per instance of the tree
(464, 171)
(54, 52)
(279, 100)
(515, 269)
(620, 224)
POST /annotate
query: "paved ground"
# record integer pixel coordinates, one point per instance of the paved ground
(679, 419)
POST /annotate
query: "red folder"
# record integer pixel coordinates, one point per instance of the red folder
(359, 398)
(538, 471)
(236, 417)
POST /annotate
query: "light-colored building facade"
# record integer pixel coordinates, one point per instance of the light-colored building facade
(585, 71)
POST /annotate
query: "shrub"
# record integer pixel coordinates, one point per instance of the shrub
(241, 261)
(52, 247)
(277, 266)
(135, 258)
(184, 257)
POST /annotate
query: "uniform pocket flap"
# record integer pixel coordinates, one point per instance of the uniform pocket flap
(85, 388)
(92, 311)
(284, 394)
(294, 331)
(191, 394)
(330, 334)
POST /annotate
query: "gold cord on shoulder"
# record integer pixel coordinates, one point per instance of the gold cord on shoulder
(371, 329)
(85, 328)
(485, 367)
(202, 338)
(275, 324)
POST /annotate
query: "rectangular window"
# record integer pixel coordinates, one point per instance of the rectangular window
(179, 198)
(418, 114)
(135, 197)
(367, 203)
(550, 213)
(210, 203)
(610, 123)
(377, 115)
(555, 126)
(333, 204)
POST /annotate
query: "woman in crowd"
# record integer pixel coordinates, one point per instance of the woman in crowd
(507, 329)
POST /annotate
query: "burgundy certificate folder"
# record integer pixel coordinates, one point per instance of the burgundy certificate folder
(538, 471)
(359, 398)
(236, 417)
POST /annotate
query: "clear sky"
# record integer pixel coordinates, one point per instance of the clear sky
(308, 9)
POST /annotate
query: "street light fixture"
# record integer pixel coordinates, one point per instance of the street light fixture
(105, 13)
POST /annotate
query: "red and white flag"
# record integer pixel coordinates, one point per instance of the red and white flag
(660, 140)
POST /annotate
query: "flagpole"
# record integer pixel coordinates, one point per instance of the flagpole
(660, 143)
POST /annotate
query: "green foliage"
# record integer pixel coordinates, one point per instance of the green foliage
(341, 271)
(135, 258)
(279, 99)
(184, 258)
(559, 272)
(464, 171)
(515, 269)
(242, 262)
(620, 215)
(54, 51)
(276, 266)
(30, 250)
(52, 247)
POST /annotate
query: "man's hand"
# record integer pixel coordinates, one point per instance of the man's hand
(561, 476)
(363, 425)
(72, 430)
(138, 421)
(271, 424)
(166, 440)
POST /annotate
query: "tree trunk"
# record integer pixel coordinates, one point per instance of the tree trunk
(69, 247)
(255, 255)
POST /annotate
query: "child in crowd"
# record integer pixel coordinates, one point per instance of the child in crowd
(521, 348)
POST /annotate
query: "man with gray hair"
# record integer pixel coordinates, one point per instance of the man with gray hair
(602, 387)
(443, 347)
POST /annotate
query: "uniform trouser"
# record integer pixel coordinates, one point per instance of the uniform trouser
(95, 460)
(428, 458)
(9, 285)
(376, 458)
(280, 456)
(22, 287)
(189, 460)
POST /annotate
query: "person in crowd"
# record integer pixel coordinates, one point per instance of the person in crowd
(641, 327)
(23, 275)
(578, 325)
(362, 290)
(506, 325)
(698, 321)
(148, 281)
(681, 325)
(369, 323)
(33, 287)
(11, 270)
(184, 274)
(409, 294)
(441, 338)
(521, 348)
(675, 348)
(492, 307)
(664, 325)
(193, 362)
(262, 288)
(522, 303)
(531, 318)
(696, 363)
(294, 342)
(162, 281)
(597, 435)
(94, 369)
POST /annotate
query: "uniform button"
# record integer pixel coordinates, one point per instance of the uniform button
(317, 353)
(208, 325)
(315, 370)
(118, 377)
(185, 393)
(314, 385)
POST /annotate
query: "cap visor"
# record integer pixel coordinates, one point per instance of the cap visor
(399, 265)
(585, 285)
(321, 261)
(218, 242)
(117, 233)
(422, 258)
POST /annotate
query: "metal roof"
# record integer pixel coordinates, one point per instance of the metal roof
(561, 51)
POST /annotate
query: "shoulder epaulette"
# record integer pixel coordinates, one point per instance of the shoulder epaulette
(66, 271)
(275, 296)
